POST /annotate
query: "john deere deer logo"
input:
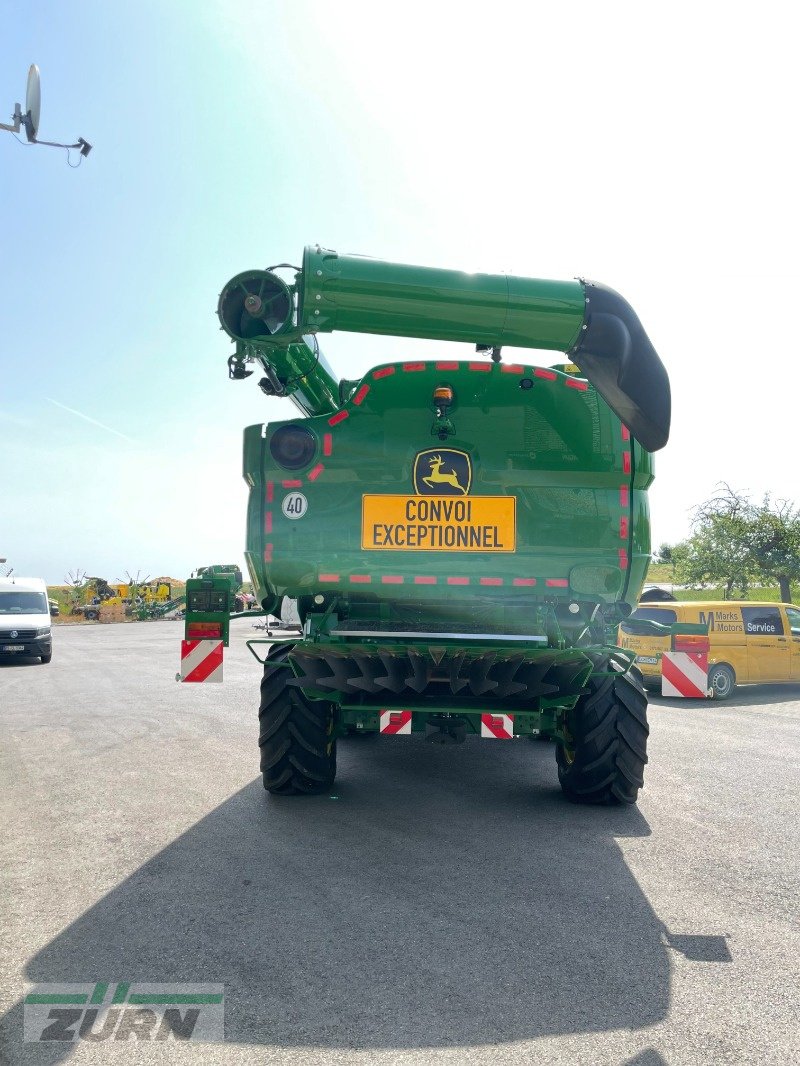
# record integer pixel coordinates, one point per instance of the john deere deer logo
(442, 472)
(442, 477)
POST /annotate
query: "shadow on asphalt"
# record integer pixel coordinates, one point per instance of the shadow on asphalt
(649, 1057)
(743, 696)
(440, 896)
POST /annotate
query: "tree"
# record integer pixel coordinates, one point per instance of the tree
(717, 552)
(775, 544)
(735, 541)
(664, 554)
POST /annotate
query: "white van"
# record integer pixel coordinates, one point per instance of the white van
(25, 618)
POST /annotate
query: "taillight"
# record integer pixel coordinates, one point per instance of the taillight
(690, 642)
(204, 631)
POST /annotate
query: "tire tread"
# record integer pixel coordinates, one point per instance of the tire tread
(298, 748)
(609, 730)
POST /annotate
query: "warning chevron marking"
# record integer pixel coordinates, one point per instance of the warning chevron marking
(684, 674)
(201, 660)
(498, 726)
(396, 722)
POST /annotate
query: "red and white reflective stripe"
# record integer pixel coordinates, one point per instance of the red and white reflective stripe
(498, 726)
(684, 674)
(396, 722)
(201, 660)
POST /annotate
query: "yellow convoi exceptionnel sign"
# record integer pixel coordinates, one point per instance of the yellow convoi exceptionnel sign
(439, 523)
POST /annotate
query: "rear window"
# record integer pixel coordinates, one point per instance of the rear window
(663, 615)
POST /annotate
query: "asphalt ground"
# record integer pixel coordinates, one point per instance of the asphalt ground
(441, 905)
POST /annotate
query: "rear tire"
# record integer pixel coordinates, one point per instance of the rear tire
(298, 746)
(603, 758)
(721, 681)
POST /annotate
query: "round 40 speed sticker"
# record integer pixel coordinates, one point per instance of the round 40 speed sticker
(295, 505)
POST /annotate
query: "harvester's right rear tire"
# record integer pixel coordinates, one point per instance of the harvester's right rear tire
(603, 757)
(296, 737)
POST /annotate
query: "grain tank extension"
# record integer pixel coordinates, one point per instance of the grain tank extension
(461, 537)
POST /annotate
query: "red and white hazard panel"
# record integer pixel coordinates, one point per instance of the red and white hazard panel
(201, 660)
(396, 722)
(685, 674)
(499, 726)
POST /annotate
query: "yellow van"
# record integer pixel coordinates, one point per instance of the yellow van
(749, 642)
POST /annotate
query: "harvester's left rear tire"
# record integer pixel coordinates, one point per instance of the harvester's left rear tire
(603, 756)
(296, 737)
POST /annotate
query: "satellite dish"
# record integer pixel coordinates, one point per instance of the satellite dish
(30, 120)
(33, 103)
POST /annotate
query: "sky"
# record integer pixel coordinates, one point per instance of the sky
(649, 147)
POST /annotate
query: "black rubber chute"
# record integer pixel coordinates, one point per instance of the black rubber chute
(616, 355)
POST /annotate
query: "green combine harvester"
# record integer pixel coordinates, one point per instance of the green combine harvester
(461, 538)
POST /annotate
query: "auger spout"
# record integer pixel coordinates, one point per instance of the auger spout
(591, 323)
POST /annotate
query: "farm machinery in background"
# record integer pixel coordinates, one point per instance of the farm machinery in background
(143, 599)
(99, 595)
(126, 599)
(460, 537)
